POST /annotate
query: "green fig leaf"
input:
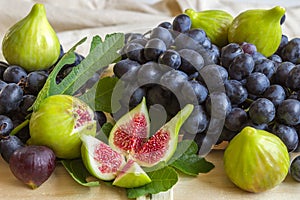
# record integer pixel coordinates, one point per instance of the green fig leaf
(162, 180)
(192, 165)
(106, 128)
(103, 95)
(79, 173)
(96, 41)
(186, 160)
(102, 53)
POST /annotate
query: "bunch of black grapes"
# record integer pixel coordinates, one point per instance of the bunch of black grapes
(173, 64)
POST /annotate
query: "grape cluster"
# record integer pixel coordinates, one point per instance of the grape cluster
(173, 64)
(18, 91)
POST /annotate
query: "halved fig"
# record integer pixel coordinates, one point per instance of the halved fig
(99, 159)
(131, 131)
(162, 145)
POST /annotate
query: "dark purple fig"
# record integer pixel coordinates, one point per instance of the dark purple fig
(32, 165)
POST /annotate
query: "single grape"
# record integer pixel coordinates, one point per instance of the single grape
(281, 74)
(8, 145)
(257, 83)
(183, 41)
(141, 41)
(11, 96)
(191, 61)
(248, 48)
(222, 73)
(162, 34)
(262, 111)
(126, 69)
(154, 48)
(13, 74)
(235, 91)
(229, 52)
(137, 97)
(194, 92)
(170, 58)
(295, 168)
(266, 67)
(241, 66)
(197, 122)
(131, 36)
(275, 58)
(135, 51)
(235, 119)
(150, 73)
(293, 78)
(197, 35)
(166, 25)
(35, 81)
(275, 93)
(257, 57)
(288, 112)
(288, 135)
(291, 51)
(6, 126)
(182, 23)
(26, 103)
(173, 80)
(218, 104)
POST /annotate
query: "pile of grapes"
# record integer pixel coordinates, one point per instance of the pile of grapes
(172, 63)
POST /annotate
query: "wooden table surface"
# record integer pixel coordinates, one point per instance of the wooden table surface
(213, 185)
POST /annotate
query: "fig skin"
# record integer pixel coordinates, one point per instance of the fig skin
(32, 42)
(56, 124)
(260, 27)
(215, 23)
(256, 160)
(32, 165)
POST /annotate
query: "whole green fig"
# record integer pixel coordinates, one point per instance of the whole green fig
(32, 43)
(260, 27)
(214, 22)
(59, 122)
(256, 160)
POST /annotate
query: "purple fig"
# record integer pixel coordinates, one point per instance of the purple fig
(32, 165)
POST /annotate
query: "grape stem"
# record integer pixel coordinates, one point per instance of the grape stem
(19, 127)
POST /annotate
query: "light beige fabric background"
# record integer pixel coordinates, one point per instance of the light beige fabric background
(75, 19)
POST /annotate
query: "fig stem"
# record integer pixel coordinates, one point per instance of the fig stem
(19, 127)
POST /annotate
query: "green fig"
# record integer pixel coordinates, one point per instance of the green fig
(260, 27)
(214, 22)
(256, 160)
(59, 122)
(32, 43)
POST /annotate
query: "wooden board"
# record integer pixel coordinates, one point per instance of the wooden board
(213, 185)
